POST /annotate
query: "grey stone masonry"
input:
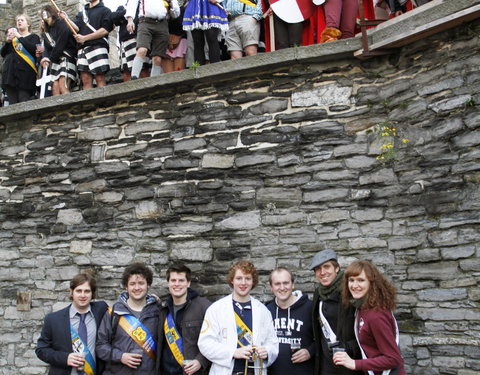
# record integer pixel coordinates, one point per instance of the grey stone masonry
(270, 158)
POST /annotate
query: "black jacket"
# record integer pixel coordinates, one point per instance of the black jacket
(55, 342)
(16, 71)
(342, 320)
(188, 322)
(99, 16)
(293, 324)
(63, 42)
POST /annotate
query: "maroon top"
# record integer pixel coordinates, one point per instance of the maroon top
(376, 333)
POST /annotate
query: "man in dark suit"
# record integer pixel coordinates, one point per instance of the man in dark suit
(68, 337)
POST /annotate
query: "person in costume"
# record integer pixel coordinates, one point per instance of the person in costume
(181, 318)
(237, 334)
(60, 53)
(340, 19)
(177, 45)
(92, 25)
(292, 318)
(205, 19)
(376, 329)
(68, 337)
(127, 337)
(128, 44)
(332, 321)
(152, 33)
(243, 33)
(19, 64)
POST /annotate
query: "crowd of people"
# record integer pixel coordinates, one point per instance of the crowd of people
(154, 37)
(348, 328)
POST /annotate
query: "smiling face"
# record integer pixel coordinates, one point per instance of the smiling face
(281, 285)
(178, 285)
(81, 296)
(358, 285)
(137, 287)
(326, 273)
(242, 285)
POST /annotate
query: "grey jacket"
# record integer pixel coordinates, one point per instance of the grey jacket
(113, 342)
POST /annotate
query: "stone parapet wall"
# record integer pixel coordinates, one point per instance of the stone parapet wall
(271, 158)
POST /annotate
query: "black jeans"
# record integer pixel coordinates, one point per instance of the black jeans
(199, 37)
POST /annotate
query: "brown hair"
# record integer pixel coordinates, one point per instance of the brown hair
(52, 12)
(82, 278)
(247, 268)
(380, 295)
(179, 268)
(279, 269)
(137, 269)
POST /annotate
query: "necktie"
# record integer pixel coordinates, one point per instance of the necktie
(82, 329)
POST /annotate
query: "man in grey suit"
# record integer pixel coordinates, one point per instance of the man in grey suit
(68, 337)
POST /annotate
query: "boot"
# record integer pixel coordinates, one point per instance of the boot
(330, 34)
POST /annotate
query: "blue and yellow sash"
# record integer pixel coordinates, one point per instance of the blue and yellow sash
(138, 333)
(80, 347)
(174, 340)
(24, 54)
(245, 335)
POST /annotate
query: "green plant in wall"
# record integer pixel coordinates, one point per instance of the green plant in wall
(195, 64)
(389, 140)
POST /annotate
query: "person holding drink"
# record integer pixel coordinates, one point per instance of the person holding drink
(68, 337)
(376, 329)
(332, 321)
(291, 313)
(19, 64)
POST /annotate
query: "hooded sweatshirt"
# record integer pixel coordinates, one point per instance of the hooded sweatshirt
(293, 325)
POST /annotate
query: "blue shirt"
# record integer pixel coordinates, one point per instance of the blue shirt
(237, 8)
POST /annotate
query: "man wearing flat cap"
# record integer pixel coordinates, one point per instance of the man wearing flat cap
(332, 321)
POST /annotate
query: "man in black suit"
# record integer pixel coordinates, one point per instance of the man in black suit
(68, 337)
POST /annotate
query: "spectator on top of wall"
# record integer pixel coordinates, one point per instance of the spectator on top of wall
(177, 45)
(20, 65)
(60, 53)
(340, 20)
(92, 24)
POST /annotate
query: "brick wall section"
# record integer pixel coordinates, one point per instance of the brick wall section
(270, 164)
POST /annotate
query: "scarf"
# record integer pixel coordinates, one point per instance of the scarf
(334, 287)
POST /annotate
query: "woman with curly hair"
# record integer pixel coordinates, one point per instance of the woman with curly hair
(375, 326)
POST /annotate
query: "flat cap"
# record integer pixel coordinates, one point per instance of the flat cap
(322, 257)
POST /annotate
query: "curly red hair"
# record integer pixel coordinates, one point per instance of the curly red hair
(380, 295)
(247, 268)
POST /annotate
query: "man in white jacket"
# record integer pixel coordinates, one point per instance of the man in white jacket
(238, 328)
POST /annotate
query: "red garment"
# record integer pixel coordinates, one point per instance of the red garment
(376, 333)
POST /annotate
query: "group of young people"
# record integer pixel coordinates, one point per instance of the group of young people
(348, 328)
(152, 38)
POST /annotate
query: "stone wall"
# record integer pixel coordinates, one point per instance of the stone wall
(271, 158)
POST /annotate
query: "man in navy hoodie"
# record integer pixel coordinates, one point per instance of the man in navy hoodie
(292, 319)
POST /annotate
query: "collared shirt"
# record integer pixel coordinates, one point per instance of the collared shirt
(91, 329)
(238, 8)
(151, 8)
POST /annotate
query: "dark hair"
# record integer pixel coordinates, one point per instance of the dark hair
(247, 268)
(281, 269)
(82, 278)
(179, 268)
(137, 269)
(380, 295)
(53, 13)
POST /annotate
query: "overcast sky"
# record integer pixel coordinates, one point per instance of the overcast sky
(113, 4)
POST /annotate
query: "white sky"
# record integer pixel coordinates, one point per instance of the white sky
(113, 4)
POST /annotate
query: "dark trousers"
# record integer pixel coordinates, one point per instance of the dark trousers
(199, 36)
(287, 34)
(16, 95)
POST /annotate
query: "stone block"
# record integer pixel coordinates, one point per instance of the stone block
(186, 229)
(189, 144)
(199, 250)
(148, 210)
(148, 126)
(220, 161)
(240, 221)
(383, 176)
(69, 217)
(366, 243)
(441, 295)
(81, 247)
(124, 151)
(434, 271)
(467, 140)
(329, 216)
(280, 197)
(269, 106)
(325, 195)
(109, 197)
(457, 252)
(450, 104)
(324, 95)
(99, 134)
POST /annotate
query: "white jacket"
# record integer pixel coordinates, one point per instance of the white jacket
(218, 337)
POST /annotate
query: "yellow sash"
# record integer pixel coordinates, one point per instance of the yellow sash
(244, 334)
(248, 3)
(174, 340)
(24, 54)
